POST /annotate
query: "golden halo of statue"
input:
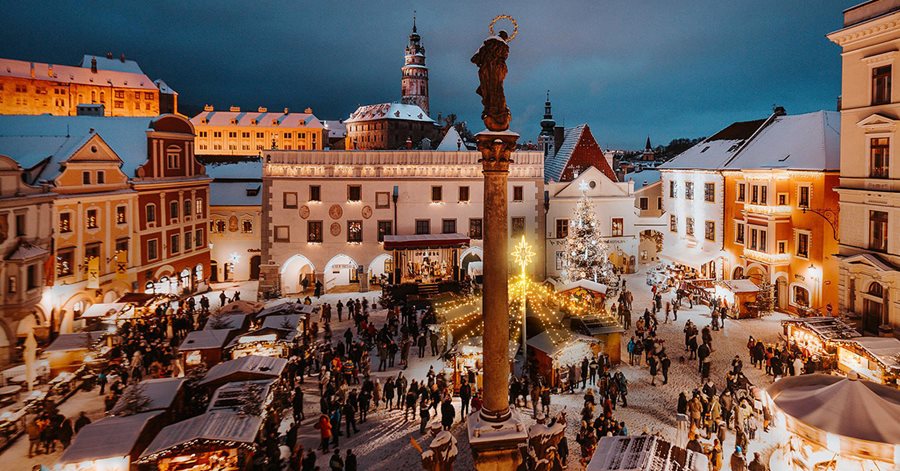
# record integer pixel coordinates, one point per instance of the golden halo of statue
(512, 20)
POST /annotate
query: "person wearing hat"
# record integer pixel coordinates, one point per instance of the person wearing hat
(738, 463)
(757, 463)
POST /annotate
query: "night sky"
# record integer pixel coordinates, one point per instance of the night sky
(628, 68)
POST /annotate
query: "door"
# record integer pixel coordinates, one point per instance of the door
(781, 294)
(213, 271)
(254, 267)
(872, 316)
(229, 271)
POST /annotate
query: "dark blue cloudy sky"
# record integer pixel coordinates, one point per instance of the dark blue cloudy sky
(629, 68)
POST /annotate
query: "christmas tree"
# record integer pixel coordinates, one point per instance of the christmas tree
(587, 254)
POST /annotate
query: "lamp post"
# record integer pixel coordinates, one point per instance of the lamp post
(522, 254)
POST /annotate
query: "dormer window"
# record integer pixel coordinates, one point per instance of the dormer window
(254, 122)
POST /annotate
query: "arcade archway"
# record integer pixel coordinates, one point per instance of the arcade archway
(294, 271)
(341, 270)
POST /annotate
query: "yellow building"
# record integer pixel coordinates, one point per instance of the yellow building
(234, 132)
(100, 86)
(870, 174)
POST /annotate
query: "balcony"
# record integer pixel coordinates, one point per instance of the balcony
(768, 258)
(783, 210)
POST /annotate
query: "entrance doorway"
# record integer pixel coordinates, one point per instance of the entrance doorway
(873, 308)
(781, 293)
(229, 271)
(254, 267)
(214, 271)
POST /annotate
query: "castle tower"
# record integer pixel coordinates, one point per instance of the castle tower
(545, 139)
(414, 84)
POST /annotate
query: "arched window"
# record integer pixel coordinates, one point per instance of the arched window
(800, 295)
(875, 289)
(246, 226)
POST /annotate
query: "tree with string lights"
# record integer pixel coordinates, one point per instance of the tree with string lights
(587, 254)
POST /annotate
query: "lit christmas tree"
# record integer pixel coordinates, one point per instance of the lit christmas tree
(587, 254)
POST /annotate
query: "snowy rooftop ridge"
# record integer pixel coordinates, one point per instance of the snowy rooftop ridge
(809, 141)
(554, 165)
(72, 74)
(399, 111)
(112, 63)
(258, 119)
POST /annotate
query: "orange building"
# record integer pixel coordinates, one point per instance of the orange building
(99, 86)
(781, 210)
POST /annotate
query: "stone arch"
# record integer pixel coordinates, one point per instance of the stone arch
(294, 270)
(380, 266)
(340, 271)
(737, 272)
(756, 273)
(165, 270)
(782, 296)
(471, 254)
(649, 246)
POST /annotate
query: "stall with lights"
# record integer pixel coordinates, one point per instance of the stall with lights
(275, 337)
(741, 294)
(817, 335)
(205, 347)
(111, 443)
(876, 359)
(553, 350)
(69, 352)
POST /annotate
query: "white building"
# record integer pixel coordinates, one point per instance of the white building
(326, 213)
(693, 192)
(235, 207)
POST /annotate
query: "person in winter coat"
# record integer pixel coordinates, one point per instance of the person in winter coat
(424, 416)
(653, 362)
(664, 364)
(350, 461)
(715, 456)
(324, 426)
(448, 413)
(336, 463)
(465, 395)
(737, 462)
(757, 464)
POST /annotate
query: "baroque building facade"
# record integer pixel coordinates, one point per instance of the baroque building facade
(244, 133)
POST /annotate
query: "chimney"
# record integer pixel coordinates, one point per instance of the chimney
(93, 65)
(285, 111)
(209, 108)
(262, 109)
(779, 111)
(109, 54)
(559, 133)
(32, 70)
(122, 57)
(308, 110)
(839, 103)
(49, 70)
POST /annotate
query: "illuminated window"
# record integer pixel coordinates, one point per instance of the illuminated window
(689, 226)
(517, 228)
(354, 231)
(247, 226)
(689, 190)
(878, 231)
(91, 220)
(120, 215)
(384, 228)
(673, 223)
(879, 157)
(65, 222)
(314, 231)
(709, 192)
(709, 230)
(65, 262)
(475, 228)
(618, 227)
(881, 85)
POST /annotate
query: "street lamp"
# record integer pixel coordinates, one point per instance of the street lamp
(522, 254)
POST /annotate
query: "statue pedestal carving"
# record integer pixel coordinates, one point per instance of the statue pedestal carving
(495, 445)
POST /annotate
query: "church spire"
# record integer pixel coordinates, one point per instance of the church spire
(648, 146)
(414, 21)
(545, 139)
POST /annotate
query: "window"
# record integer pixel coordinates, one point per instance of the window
(782, 246)
(173, 160)
(175, 243)
(463, 194)
(672, 191)
(86, 178)
(689, 226)
(173, 209)
(91, 220)
(782, 199)
(101, 177)
(247, 226)
(758, 240)
(709, 192)
(148, 95)
(763, 198)
(282, 233)
(754, 194)
(448, 226)
(688, 190)
(198, 238)
(881, 85)
(12, 285)
(354, 193)
(739, 233)
(741, 192)
(20, 225)
(436, 194)
(384, 228)
(188, 240)
(65, 262)
(217, 226)
(92, 251)
(151, 213)
(120, 215)
(187, 207)
(152, 249)
(560, 259)
(659, 203)
(879, 157)
(119, 94)
(354, 231)
(518, 227)
(801, 296)
(878, 231)
(803, 196)
(314, 232)
(33, 278)
(475, 228)
(673, 223)
(122, 245)
(289, 200)
(517, 193)
(119, 104)
(618, 227)
(198, 207)
(315, 193)
(423, 226)
(709, 230)
(562, 228)
(644, 203)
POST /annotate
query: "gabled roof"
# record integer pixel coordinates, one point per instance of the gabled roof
(451, 141)
(257, 119)
(643, 178)
(810, 141)
(597, 184)
(235, 183)
(399, 111)
(217, 426)
(555, 164)
(72, 74)
(159, 392)
(713, 152)
(109, 437)
(114, 64)
(208, 339)
(336, 128)
(253, 365)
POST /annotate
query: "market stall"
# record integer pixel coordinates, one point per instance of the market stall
(158, 394)
(241, 307)
(644, 453)
(111, 443)
(466, 360)
(145, 304)
(829, 422)
(108, 311)
(816, 337)
(246, 368)
(220, 440)
(205, 347)
(68, 352)
(275, 337)
(426, 258)
(235, 396)
(876, 359)
(227, 321)
(555, 349)
(589, 294)
(739, 294)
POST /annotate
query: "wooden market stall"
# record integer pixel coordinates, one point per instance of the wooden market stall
(466, 360)
(235, 395)
(69, 352)
(275, 337)
(553, 350)
(817, 335)
(876, 359)
(587, 293)
(246, 368)
(205, 347)
(235, 321)
(740, 294)
(164, 395)
(219, 440)
(111, 443)
(644, 453)
(241, 307)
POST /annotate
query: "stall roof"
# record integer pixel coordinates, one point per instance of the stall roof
(208, 339)
(279, 334)
(424, 241)
(160, 392)
(584, 284)
(285, 309)
(231, 396)
(253, 365)
(831, 404)
(240, 307)
(139, 299)
(885, 349)
(104, 309)
(476, 344)
(283, 322)
(95, 441)
(76, 341)
(644, 453)
(553, 341)
(739, 286)
(216, 426)
(225, 321)
(826, 328)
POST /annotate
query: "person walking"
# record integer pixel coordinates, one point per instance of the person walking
(465, 395)
(324, 427)
(424, 415)
(664, 364)
(652, 362)
(350, 461)
(448, 413)
(336, 463)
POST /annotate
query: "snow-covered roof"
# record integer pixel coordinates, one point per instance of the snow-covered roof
(217, 426)
(76, 341)
(235, 193)
(586, 284)
(104, 309)
(231, 396)
(225, 320)
(113, 64)
(281, 321)
(25, 251)
(825, 327)
(885, 349)
(253, 365)
(95, 440)
(555, 164)
(401, 111)
(336, 129)
(71, 74)
(643, 178)
(644, 453)
(451, 141)
(241, 307)
(713, 152)
(208, 339)
(739, 286)
(554, 341)
(257, 119)
(160, 393)
(810, 141)
(32, 139)
(164, 87)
